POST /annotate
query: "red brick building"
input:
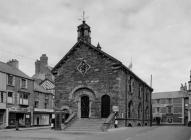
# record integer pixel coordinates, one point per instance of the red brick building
(92, 84)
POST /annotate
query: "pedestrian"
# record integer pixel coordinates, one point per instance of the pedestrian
(116, 123)
(17, 125)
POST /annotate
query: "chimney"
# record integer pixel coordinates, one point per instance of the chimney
(37, 67)
(189, 82)
(13, 63)
(44, 59)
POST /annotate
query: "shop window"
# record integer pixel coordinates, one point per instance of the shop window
(10, 98)
(11, 80)
(169, 120)
(23, 83)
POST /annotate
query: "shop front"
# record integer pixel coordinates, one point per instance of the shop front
(22, 116)
(42, 117)
(2, 118)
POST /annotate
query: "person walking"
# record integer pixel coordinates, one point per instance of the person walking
(116, 123)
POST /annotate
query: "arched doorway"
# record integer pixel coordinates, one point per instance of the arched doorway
(84, 106)
(105, 106)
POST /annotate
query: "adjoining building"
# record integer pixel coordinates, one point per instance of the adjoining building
(43, 106)
(3, 99)
(45, 79)
(16, 95)
(170, 108)
(43, 70)
(189, 106)
(90, 83)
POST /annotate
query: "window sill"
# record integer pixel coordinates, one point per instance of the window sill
(10, 85)
(23, 87)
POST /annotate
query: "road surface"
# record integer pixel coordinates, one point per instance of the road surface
(135, 133)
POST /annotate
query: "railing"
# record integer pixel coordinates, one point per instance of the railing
(109, 122)
(69, 121)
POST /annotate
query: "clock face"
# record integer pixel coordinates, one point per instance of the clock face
(83, 67)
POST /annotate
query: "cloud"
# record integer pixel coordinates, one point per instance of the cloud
(156, 34)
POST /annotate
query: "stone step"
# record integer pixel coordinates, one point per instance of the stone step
(86, 125)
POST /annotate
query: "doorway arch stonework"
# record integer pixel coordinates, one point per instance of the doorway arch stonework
(77, 95)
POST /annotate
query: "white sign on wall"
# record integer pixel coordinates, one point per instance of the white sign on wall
(115, 108)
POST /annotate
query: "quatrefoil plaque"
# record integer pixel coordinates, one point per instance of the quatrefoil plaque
(83, 67)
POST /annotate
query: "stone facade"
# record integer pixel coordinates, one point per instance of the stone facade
(170, 108)
(90, 82)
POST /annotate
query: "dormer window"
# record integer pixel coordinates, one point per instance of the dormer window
(11, 80)
(23, 83)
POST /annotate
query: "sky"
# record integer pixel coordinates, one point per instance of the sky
(156, 34)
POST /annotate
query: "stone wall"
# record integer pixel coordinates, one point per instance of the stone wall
(104, 76)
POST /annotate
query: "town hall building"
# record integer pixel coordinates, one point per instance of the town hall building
(92, 85)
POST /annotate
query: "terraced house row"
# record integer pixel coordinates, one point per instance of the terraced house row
(22, 99)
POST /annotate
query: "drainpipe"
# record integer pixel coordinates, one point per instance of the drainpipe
(126, 99)
(151, 114)
(143, 106)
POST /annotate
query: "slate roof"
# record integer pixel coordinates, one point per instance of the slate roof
(103, 53)
(5, 68)
(170, 94)
(40, 89)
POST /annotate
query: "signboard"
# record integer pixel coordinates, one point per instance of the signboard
(18, 109)
(115, 108)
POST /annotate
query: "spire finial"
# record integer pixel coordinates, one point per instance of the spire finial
(83, 17)
(98, 46)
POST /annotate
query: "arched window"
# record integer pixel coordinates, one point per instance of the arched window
(131, 85)
(147, 113)
(130, 108)
(140, 91)
(139, 111)
(147, 96)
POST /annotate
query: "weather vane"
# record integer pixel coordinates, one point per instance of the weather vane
(83, 18)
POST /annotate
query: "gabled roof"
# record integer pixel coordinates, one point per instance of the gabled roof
(169, 94)
(100, 51)
(47, 84)
(5, 68)
(52, 82)
(40, 89)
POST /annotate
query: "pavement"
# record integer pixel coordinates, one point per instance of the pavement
(25, 128)
(134, 133)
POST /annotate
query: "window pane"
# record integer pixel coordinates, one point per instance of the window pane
(10, 80)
